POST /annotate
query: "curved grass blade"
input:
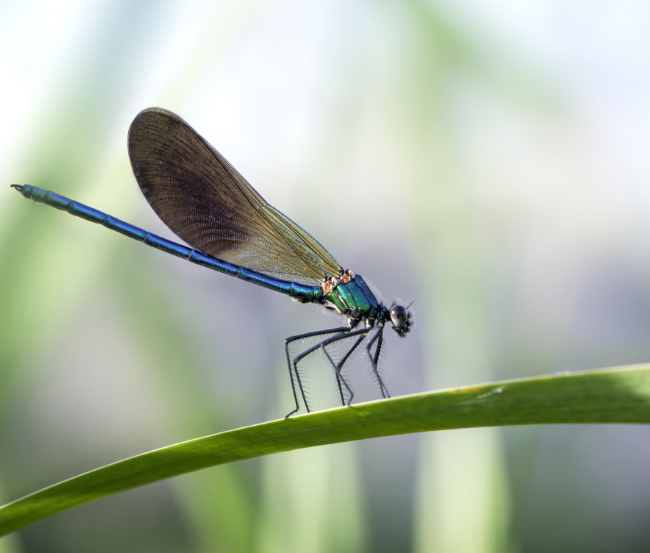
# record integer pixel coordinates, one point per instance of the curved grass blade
(617, 395)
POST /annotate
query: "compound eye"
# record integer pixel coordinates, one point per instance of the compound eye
(399, 316)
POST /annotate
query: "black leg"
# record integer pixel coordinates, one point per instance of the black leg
(339, 377)
(323, 345)
(374, 359)
(342, 362)
(294, 366)
(337, 368)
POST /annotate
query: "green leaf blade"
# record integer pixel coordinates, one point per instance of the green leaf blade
(618, 395)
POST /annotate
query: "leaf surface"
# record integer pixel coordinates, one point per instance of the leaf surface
(616, 395)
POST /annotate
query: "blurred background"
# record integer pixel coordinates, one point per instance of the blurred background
(488, 159)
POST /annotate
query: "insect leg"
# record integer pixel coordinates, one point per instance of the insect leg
(374, 359)
(294, 367)
(338, 367)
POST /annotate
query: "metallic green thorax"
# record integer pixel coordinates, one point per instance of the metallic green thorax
(355, 300)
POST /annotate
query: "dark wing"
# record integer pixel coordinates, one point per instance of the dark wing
(206, 202)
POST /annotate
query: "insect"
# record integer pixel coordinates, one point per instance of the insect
(206, 202)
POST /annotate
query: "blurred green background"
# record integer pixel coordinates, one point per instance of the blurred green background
(488, 159)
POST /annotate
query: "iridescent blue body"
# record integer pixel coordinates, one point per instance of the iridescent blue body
(353, 299)
(205, 201)
(301, 292)
(356, 301)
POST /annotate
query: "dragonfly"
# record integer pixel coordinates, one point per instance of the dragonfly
(231, 229)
